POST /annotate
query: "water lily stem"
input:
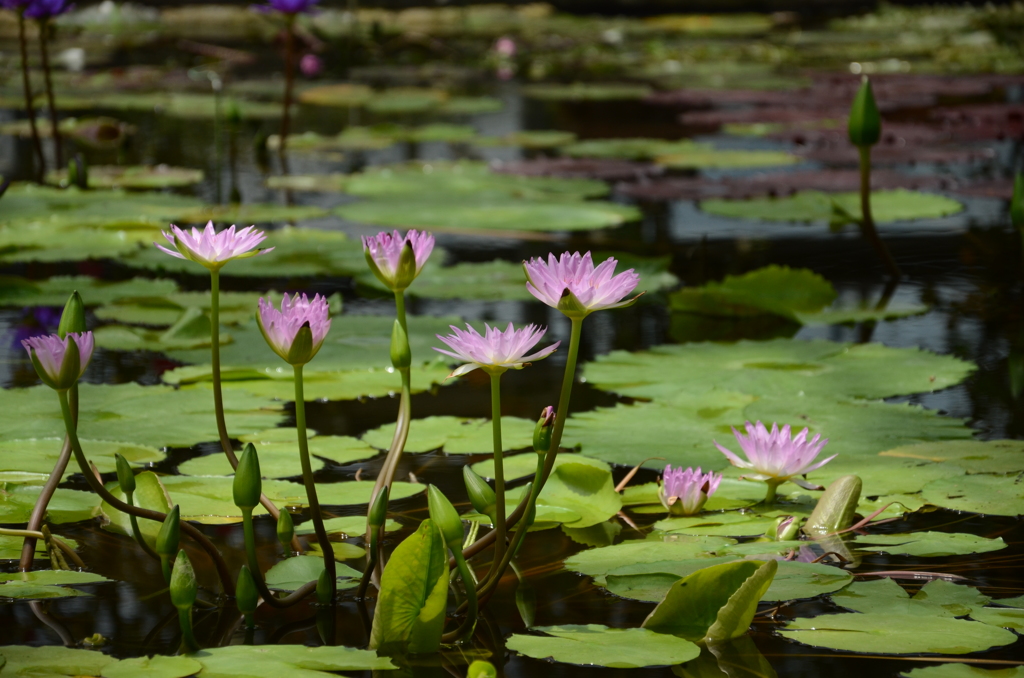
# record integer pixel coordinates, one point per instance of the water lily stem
(249, 535)
(472, 610)
(97, 486)
(137, 532)
(44, 52)
(371, 562)
(30, 108)
(188, 637)
(867, 223)
(218, 395)
(289, 84)
(770, 496)
(500, 529)
(307, 479)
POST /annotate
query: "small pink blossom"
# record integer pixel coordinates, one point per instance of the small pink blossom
(495, 351)
(384, 256)
(280, 327)
(684, 492)
(574, 286)
(505, 47)
(48, 353)
(775, 457)
(212, 249)
(310, 65)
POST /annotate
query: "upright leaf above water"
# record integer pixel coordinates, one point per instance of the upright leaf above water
(413, 592)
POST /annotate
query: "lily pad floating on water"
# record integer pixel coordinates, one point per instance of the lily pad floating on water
(350, 526)
(72, 209)
(55, 291)
(50, 660)
(138, 177)
(46, 583)
(456, 435)
(996, 495)
(963, 671)
(718, 158)
(152, 667)
(928, 544)
(341, 94)
(836, 208)
(638, 148)
(297, 571)
(281, 459)
(66, 506)
(39, 455)
(975, 456)
(271, 661)
(529, 139)
(598, 563)
(581, 91)
(166, 309)
(596, 645)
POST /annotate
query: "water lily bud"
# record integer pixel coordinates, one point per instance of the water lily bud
(407, 271)
(324, 591)
(542, 432)
(183, 582)
(301, 351)
(836, 507)
(248, 483)
(1017, 203)
(379, 510)
(401, 355)
(446, 517)
(166, 544)
(788, 530)
(481, 496)
(60, 362)
(246, 595)
(125, 477)
(865, 127)
(285, 529)
(481, 669)
(73, 317)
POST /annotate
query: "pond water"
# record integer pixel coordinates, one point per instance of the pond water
(966, 268)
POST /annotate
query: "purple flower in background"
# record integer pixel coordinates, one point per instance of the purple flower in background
(575, 287)
(287, 6)
(281, 327)
(775, 457)
(494, 351)
(684, 492)
(384, 255)
(310, 65)
(14, 4)
(49, 353)
(212, 249)
(505, 47)
(47, 9)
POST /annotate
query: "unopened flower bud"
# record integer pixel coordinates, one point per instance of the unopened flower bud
(125, 476)
(246, 595)
(324, 590)
(865, 126)
(248, 483)
(481, 669)
(542, 432)
(379, 511)
(301, 351)
(1017, 203)
(166, 544)
(401, 355)
(183, 582)
(481, 495)
(285, 529)
(446, 517)
(73, 317)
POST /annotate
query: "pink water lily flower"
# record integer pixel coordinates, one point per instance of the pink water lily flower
(212, 249)
(684, 492)
(384, 255)
(495, 351)
(49, 354)
(282, 327)
(776, 457)
(575, 287)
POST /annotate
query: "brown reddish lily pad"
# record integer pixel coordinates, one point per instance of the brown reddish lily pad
(847, 155)
(605, 169)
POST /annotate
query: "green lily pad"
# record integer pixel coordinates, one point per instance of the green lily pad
(599, 562)
(53, 660)
(928, 544)
(975, 456)
(989, 494)
(341, 94)
(441, 132)
(884, 475)
(470, 106)
(73, 209)
(776, 290)
(66, 506)
(963, 671)
(153, 416)
(719, 158)
(55, 291)
(166, 309)
(405, 101)
(191, 330)
(596, 645)
(45, 584)
(281, 459)
(584, 91)
(584, 486)
(632, 149)
(36, 242)
(16, 590)
(152, 667)
(727, 524)
(838, 208)
(10, 549)
(138, 177)
(39, 455)
(352, 526)
(456, 435)
(530, 139)
(151, 494)
(297, 571)
(295, 661)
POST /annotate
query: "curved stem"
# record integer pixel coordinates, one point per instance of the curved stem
(371, 562)
(257, 574)
(30, 107)
(499, 475)
(471, 601)
(44, 52)
(137, 533)
(307, 479)
(867, 223)
(94, 483)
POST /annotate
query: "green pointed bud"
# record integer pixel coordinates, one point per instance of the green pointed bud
(481, 669)
(481, 496)
(406, 272)
(446, 517)
(170, 534)
(248, 483)
(570, 306)
(836, 507)
(301, 351)
(1017, 203)
(865, 128)
(379, 510)
(247, 597)
(71, 368)
(73, 317)
(401, 356)
(324, 590)
(285, 529)
(183, 582)
(125, 476)
(542, 431)
(790, 529)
